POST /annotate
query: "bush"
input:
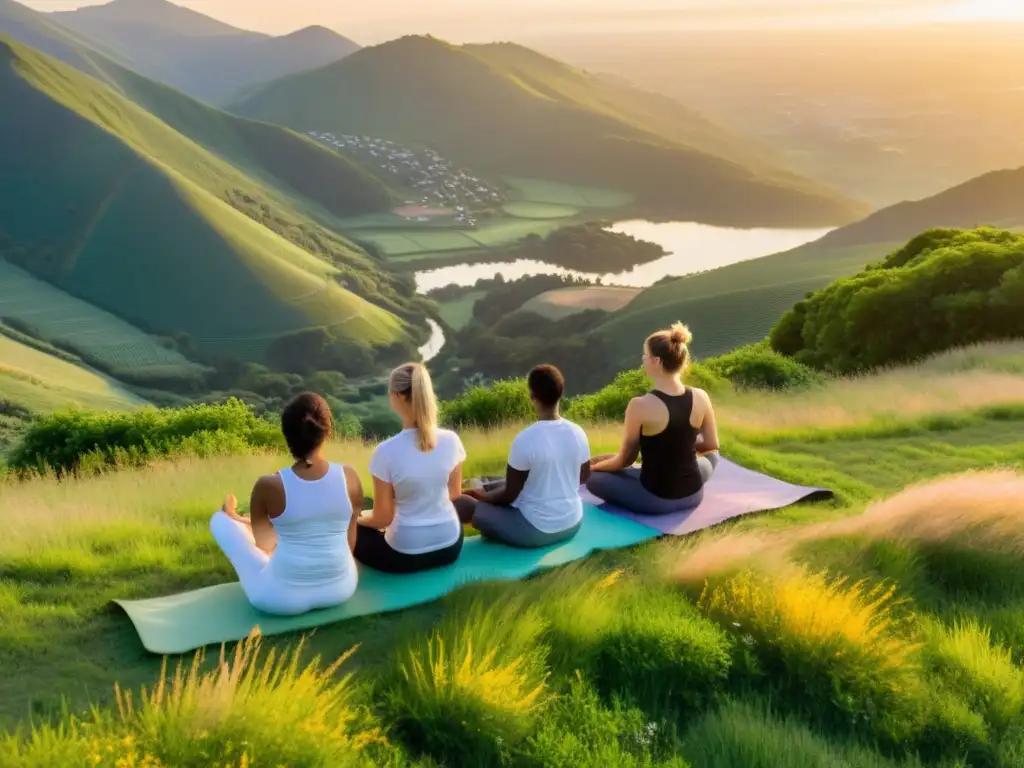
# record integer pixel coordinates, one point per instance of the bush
(758, 366)
(81, 441)
(944, 289)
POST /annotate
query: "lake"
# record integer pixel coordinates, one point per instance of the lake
(691, 248)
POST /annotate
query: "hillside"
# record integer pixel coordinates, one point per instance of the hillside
(199, 55)
(41, 32)
(878, 630)
(111, 204)
(739, 304)
(504, 110)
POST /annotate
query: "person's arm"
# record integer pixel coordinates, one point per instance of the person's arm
(630, 448)
(455, 482)
(708, 436)
(259, 516)
(508, 492)
(355, 497)
(383, 513)
(585, 467)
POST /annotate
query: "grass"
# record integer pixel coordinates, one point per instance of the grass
(569, 301)
(556, 194)
(91, 163)
(878, 630)
(403, 244)
(459, 312)
(531, 210)
(42, 383)
(58, 315)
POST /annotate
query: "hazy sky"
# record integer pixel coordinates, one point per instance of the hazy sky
(377, 20)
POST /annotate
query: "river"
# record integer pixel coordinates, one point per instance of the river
(690, 248)
(434, 344)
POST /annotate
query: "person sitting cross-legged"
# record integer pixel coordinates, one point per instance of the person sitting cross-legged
(671, 429)
(539, 502)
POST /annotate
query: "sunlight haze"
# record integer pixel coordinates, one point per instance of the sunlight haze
(468, 20)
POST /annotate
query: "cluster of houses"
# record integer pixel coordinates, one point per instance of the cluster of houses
(437, 181)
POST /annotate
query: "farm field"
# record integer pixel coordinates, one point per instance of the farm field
(458, 312)
(62, 317)
(556, 193)
(530, 210)
(738, 304)
(408, 245)
(577, 662)
(42, 383)
(568, 301)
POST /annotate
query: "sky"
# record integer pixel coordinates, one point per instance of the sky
(461, 20)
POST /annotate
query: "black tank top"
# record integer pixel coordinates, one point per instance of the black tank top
(668, 466)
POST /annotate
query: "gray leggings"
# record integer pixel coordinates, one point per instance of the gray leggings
(507, 525)
(623, 489)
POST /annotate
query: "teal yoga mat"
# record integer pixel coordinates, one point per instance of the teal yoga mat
(213, 615)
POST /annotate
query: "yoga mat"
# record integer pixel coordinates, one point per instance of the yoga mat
(733, 491)
(213, 615)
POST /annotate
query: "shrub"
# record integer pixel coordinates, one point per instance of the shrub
(77, 440)
(758, 366)
(944, 289)
(502, 402)
(468, 693)
(250, 710)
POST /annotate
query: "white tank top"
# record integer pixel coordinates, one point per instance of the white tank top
(312, 532)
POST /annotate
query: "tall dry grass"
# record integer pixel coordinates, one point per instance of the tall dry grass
(980, 510)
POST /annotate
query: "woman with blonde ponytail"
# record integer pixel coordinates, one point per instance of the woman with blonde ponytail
(417, 474)
(671, 429)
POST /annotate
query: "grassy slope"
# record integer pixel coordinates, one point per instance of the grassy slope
(144, 533)
(506, 109)
(89, 178)
(43, 383)
(739, 304)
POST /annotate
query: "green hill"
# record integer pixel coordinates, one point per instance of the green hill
(505, 110)
(115, 206)
(738, 304)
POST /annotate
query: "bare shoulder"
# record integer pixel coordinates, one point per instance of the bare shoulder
(267, 483)
(701, 395)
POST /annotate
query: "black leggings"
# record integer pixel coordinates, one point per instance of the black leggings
(373, 550)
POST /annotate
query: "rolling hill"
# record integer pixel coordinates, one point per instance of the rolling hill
(739, 304)
(190, 228)
(195, 53)
(505, 110)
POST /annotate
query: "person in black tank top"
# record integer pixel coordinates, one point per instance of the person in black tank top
(668, 460)
(677, 457)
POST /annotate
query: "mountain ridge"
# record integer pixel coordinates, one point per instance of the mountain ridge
(508, 110)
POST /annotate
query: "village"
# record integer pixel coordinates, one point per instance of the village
(436, 179)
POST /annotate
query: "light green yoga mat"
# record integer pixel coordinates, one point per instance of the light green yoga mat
(181, 623)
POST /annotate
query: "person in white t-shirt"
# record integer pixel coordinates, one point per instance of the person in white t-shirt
(539, 502)
(416, 475)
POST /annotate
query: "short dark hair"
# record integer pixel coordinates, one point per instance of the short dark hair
(547, 385)
(306, 423)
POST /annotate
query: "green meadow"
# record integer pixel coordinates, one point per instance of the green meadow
(880, 629)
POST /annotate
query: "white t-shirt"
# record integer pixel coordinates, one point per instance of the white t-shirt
(425, 518)
(552, 452)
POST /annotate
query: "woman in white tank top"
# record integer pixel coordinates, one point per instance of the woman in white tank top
(293, 553)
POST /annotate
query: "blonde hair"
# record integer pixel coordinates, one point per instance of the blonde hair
(670, 346)
(412, 381)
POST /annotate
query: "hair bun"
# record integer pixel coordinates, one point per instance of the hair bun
(680, 334)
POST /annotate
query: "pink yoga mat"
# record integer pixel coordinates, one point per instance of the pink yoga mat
(733, 491)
